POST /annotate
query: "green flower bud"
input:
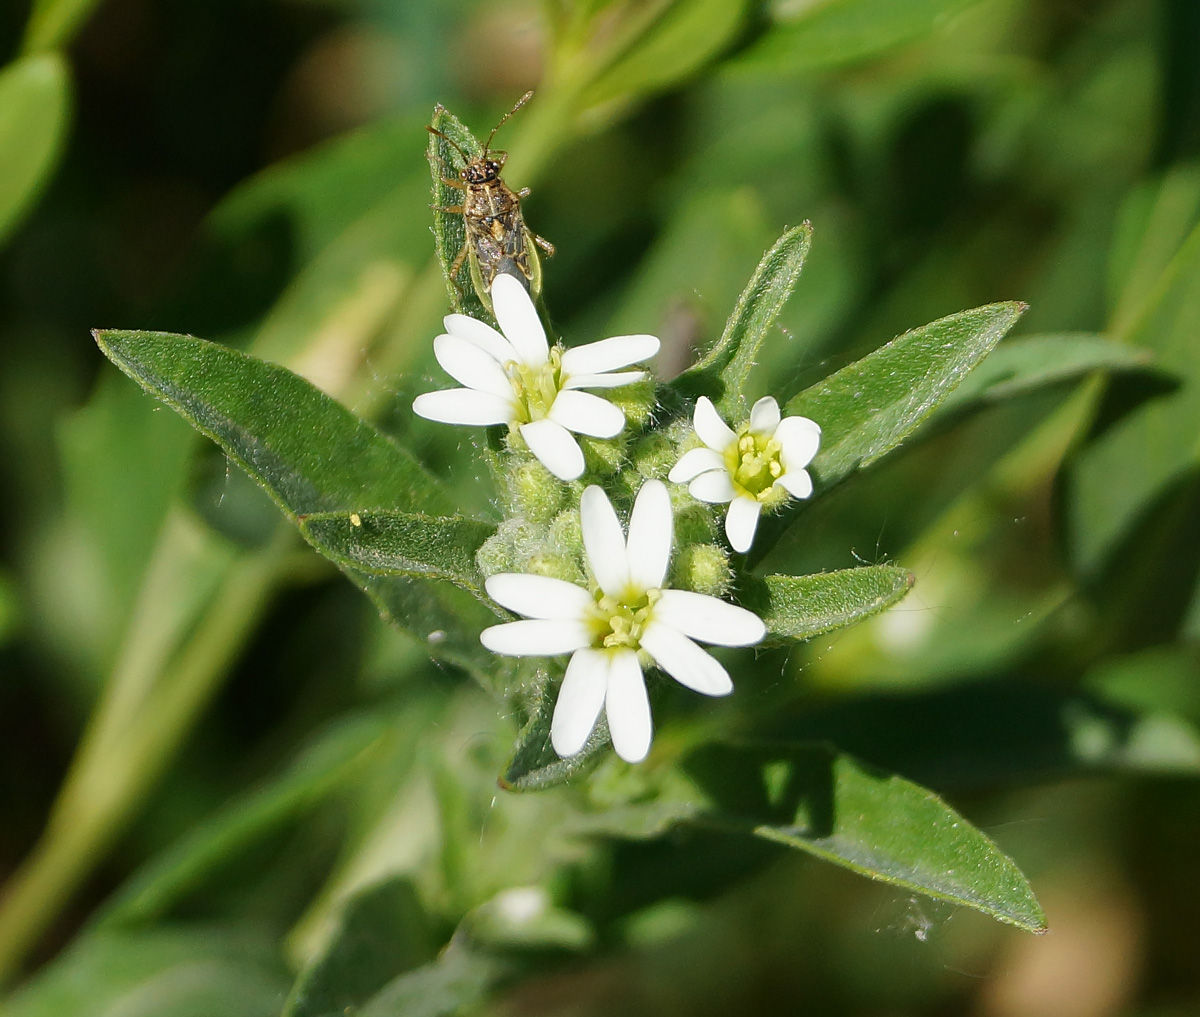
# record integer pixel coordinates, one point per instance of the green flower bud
(702, 568)
(603, 456)
(537, 494)
(566, 531)
(654, 456)
(636, 400)
(555, 564)
(694, 523)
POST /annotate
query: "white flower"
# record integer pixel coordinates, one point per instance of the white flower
(518, 379)
(611, 631)
(758, 466)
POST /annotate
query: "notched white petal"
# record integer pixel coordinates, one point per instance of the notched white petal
(537, 638)
(694, 462)
(482, 335)
(585, 413)
(627, 706)
(799, 438)
(714, 487)
(554, 447)
(579, 701)
(764, 416)
(713, 431)
(684, 661)
(603, 380)
(467, 364)
(797, 483)
(603, 541)
(464, 406)
(651, 528)
(538, 596)
(609, 354)
(741, 521)
(519, 320)
(709, 619)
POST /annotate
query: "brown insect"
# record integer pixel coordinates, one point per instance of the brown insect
(497, 239)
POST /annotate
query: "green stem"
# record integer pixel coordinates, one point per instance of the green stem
(115, 769)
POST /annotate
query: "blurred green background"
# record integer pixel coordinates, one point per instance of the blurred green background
(252, 745)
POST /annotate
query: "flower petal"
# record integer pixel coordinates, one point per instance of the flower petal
(579, 700)
(464, 406)
(519, 320)
(538, 638)
(713, 431)
(797, 483)
(603, 380)
(708, 619)
(555, 448)
(684, 661)
(764, 416)
(609, 354)
(603, 541)
(651, 527)
(741, 521)
(694, 462)
(799, 439)
(585, 413)
(714, 487)
(482, 335)
(539, 596)
(627, 706)
(467, 364)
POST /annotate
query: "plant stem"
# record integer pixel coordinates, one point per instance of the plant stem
(122, 759)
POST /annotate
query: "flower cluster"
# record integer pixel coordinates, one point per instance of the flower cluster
(622, 616)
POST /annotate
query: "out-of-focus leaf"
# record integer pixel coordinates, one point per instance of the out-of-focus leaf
(449, 230)
(1022, 365)
(401, 543)
(685, 36)
(183, 972)
(383, 931)
(525, 918)
(308, 452)
(827, 35)
(869, 407)
(319, 769)
(324, 190)
(53, 22)
(725, 369)
(815, 799)
(35, 97)
(1122, 471)
(799, 607)
(457, 982)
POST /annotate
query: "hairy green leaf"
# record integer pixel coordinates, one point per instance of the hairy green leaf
(869, 407)
(449, 230)
(308, 452)
(35, 99)
(815, 799)
(799, 607)
(401, 543)
(723, 372)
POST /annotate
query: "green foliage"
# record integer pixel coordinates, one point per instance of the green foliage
(800, 607)
(880, 825)
(35, 99)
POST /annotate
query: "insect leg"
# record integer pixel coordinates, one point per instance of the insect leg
(452, 209)
(544, 244)
(458, 185)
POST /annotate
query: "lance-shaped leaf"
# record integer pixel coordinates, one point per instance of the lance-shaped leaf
(815, 799)
(401, 544)
(535, 766)
(723, 372)
(869, 407)
(449, 230)
(799, 607)
(305, 449)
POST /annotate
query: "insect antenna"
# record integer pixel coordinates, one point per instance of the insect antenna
(504, 119)
(446, 137)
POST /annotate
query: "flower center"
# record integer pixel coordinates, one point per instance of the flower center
(535, 387)
(620, 621)
(753, 464)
